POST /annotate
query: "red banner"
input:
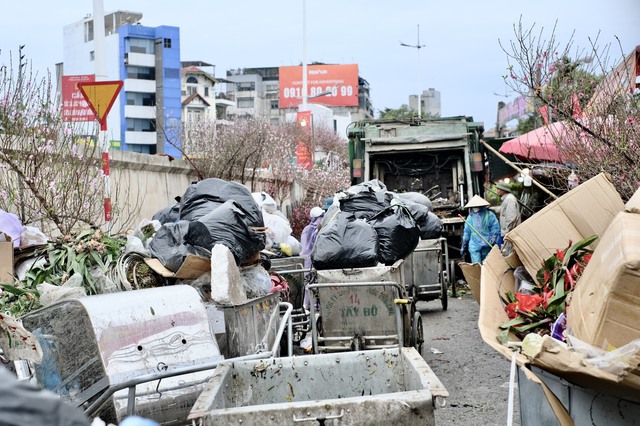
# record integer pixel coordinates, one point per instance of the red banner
(333, 85)
(74, 106)
(304, 154)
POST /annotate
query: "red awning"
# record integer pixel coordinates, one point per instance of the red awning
(538, 144)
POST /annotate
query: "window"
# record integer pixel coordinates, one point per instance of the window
(206, 91)
(246, 86)
(141, 73)
(141, 99)
(88, 31)
(192, 90)
(141, 45)
(167, 43)
(92, 55)
(245, 102)
(192, 80)
(274, 104)
(271, 88)
(194, 115)
(141, 125)
(172, 73)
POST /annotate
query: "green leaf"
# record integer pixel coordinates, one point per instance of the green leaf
(576, 247)
(98, 259)
(503, 337)
(532, 325)
(516, 321)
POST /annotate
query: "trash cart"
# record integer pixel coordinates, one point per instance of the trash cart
(427, 271)
(378, 387)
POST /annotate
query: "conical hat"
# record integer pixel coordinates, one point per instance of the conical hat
(477, 201)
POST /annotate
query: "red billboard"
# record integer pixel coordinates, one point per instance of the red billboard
(332, 85)
(74, 105)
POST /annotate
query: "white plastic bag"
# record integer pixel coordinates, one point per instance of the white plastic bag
(278, 229)
(31, 236)
(10, 225)
(72, 289)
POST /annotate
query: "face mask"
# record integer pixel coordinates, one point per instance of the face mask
(475, 209)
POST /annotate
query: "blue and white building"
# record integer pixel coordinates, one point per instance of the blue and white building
(146, 117)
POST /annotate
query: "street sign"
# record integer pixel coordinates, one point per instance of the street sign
(101, 96)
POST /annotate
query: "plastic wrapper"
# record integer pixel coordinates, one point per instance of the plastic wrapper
(265, 202)
(10, 224)
(278, 229)
(398, 234)
(71, 289)
(170, 247)
(429, 223)
(346, 243)
(616, 361)
(31, 236)
(256, 281)
(226, 225)
(201, 198)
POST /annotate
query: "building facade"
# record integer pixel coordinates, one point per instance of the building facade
(430, 103)
(147, 115)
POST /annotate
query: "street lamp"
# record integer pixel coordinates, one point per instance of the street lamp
(417, 46)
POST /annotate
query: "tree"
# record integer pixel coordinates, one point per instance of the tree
(596, 100)
(50, 170)
(263, 156)
(527, 124)
(402, 113)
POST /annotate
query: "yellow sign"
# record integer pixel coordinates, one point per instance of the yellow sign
(101, 95)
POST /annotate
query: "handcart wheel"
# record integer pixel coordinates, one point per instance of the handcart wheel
(417, 333)
(443, 296)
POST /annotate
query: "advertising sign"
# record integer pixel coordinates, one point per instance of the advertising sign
(331, 85)
(303, 150)
(74, 106)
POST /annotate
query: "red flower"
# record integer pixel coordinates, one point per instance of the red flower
(560, 255)
(586, 258)
(528, 302)
(511, 310)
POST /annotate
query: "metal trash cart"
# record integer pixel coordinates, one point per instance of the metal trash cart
(363, 308)
(427, 271)
(292, 269)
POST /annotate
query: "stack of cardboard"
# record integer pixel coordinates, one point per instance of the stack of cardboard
(605, 306)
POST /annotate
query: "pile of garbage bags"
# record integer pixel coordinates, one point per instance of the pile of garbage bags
(368, 225)
(212, 211)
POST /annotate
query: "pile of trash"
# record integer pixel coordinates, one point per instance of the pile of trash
(368, 225)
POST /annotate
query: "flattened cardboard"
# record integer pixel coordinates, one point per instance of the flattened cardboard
(192, 267)
(496, 279)
(6, 262)
(584, 211)
(605, 306)
(471, 272)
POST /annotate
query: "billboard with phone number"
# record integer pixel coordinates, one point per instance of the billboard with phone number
(332, 85)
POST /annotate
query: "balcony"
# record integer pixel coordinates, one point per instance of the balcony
(141, 86)
(139, 59)
(140, 138)
(139, 111)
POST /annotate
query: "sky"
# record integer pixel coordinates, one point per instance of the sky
(461, 58)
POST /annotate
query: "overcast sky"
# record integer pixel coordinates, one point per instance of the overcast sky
(462, 57)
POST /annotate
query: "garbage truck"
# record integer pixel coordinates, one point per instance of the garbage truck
(441, 158)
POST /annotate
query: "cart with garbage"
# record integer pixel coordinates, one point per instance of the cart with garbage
(363, 308)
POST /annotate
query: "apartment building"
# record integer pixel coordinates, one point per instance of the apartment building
(147, 115)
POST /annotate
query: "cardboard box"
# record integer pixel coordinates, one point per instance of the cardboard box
(584, 211)
(6, 260)
(496, 279)
(192, 267)
(604, 309)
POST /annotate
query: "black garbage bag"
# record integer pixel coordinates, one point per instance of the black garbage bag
(345, 243)
(168, 215)
(202, 197)
(366, 199)
(227, 224)
(169, 245)
(429, 223)
(432, 228)
(398, 234)
(416, 197)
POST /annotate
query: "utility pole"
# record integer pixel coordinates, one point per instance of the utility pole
(305, 96)
(417, 46)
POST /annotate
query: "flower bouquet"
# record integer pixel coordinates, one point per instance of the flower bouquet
(540, 307)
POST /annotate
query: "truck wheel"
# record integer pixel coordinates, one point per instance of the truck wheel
(417, 333)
